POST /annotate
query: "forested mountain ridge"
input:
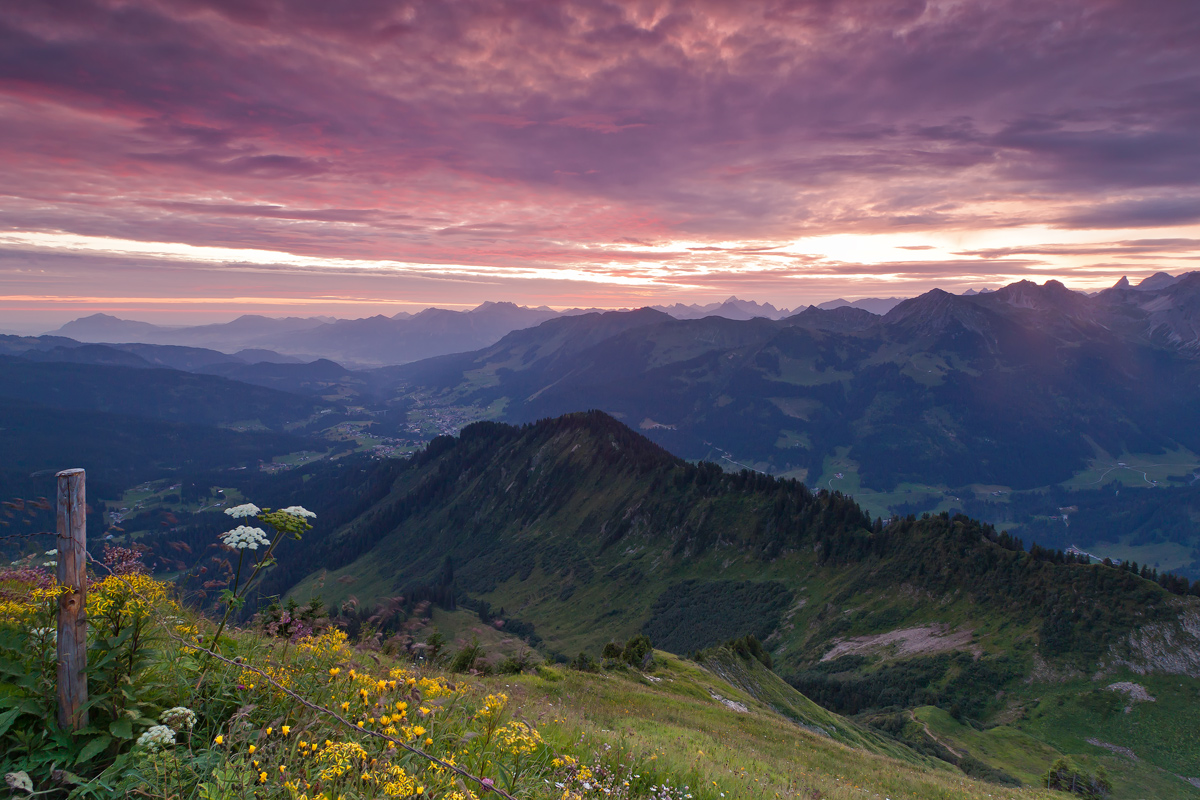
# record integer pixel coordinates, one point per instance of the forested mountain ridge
(129, 422)
(564, 498)
(165, 394)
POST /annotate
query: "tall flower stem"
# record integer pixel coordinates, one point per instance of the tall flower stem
(238, 592)
(286, 520)
(262, 563)
(229, 604)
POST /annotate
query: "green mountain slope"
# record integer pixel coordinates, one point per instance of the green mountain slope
(119, 451)
(760, 683)
(577, 530)
(162, 394)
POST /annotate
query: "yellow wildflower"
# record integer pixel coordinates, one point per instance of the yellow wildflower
(518, 738)
(340, 759)
(493, 707)
(393, 780)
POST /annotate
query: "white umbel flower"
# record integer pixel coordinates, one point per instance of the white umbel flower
(157, 737)
(179, 717)
(245, 538)
(298, 511)
(244, 510)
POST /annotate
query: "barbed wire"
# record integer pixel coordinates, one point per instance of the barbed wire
(27, 535)
(486, 787)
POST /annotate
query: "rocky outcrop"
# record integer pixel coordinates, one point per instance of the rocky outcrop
(1169, 647)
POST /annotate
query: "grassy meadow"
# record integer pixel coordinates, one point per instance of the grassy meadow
(189, 726)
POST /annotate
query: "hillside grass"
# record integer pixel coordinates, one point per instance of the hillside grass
(1001, 747)
(1163, 731)
(1024, 756)
(753, 678)
(683, 732)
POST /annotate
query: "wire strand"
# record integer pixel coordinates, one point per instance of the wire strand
(27, 535)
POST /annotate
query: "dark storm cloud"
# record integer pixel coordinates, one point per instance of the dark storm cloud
(1155, 213)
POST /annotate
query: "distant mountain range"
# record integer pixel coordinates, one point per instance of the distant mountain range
(1017, 387)
(947, 401)
(873, 304)
(380, 340)
(372, 341)
(733, 308)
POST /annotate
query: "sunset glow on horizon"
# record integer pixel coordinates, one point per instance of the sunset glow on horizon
(193, 161)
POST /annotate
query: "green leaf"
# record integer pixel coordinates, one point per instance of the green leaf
(12, 667)
(97, 699)
(121, 728)
(8, 718)
(94, 748)
(18, 701)
(100, 664)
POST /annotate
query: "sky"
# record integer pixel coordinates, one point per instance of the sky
(192, 160)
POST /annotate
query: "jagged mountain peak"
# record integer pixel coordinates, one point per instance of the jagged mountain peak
(944, 320)
(843, 319)
(495, 304)
(932, 302)
(1161, 280)
(1050, 296)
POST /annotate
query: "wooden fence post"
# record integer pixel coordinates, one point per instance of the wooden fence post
(72, 618)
